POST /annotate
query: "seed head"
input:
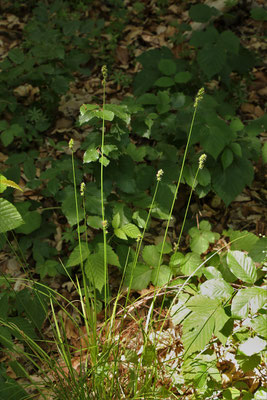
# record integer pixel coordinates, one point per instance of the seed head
(71, 144)
(82, 188)
(104, 71)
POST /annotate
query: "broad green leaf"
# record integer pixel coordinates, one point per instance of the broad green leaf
(176, 259)
(211, 60)
(212, 273)
(236, 125)
(227, 158)
(112, 257)
(104, 160)
(91, 155)
(131, 230)
(229, 42)
(246, 240)
(179, 310)
(161, 277)
(94, 221)
(32, 221)
(116, 220)
(88, 107)
(216, 289)
(164, 81)
(202, 12)
(190, 263)
(77, 257)
(199, 326)
(141, 276)
(151, 255)
(183, 77)
(120, 234)
(258, 252)
(167, 67)
(236, 149)
(204, 177)
(261, 394)
(121, 111)
(259, 324)
(10, 218)
(259, 14)
(95, 271)
(242, 266)
(250, 299)
(252, 346)
(264, 153)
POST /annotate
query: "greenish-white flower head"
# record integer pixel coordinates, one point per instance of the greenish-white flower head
(199, 97)
(159, 175)
(202, 160)
(104, 71)
(71, 144)
(82, 188)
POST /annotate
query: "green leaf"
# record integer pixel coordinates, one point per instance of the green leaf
(243, 240)
(164, 81)
(151, 255)
(16, 55)
(29, 169)
(162, 277)
(242, 266)
(121, 111)
(252, 346)
(216, 289)
(212, 273)
(259, 325)
(112, 257)
(190, 263)
(264, 153)
(76, 257)
(248, 299)
(236, 125)
(91, 155)
(202, 237)
(116, 220)
(141, 276)
(120, 234)
(227, 158)
(94, 221)
(95, 271)
(131, 230)
(229, 41)
(4, 183)
(204, 177)
(199, 326)
(211, 60)
(10, 218)
(258, 252)
(167, 67)
(259, 13)
(202, 12)
(236, 149)
(183, 77)
(104, 160)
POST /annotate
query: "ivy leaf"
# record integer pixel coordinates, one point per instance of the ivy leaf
(242, 266)
(250, 299)
(216, 289)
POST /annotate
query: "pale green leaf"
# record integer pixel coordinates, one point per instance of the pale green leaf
(242, 266)
(141, 276)
(120, 234)
(95, 271)
(252, 346)
(216, 289)
(116, 220)
(131, 230)
(90, 155)
(250, 299)
(10, 218)
(259, 324)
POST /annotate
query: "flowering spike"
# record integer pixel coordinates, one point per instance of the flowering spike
(202, 160)
(159, 175)
(199, 97)
(71, 144)
(104, 71)
(82, 188)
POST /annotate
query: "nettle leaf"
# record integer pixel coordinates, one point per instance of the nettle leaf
(78, 255)
(10, 218)
(167, 66)
(242, 266)
(141, 276)
(216, 289)
(91, 155)
(211, 60)
(250, 299)
(207, 316)
(151, 255)
(131, 230)
(162, 276)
